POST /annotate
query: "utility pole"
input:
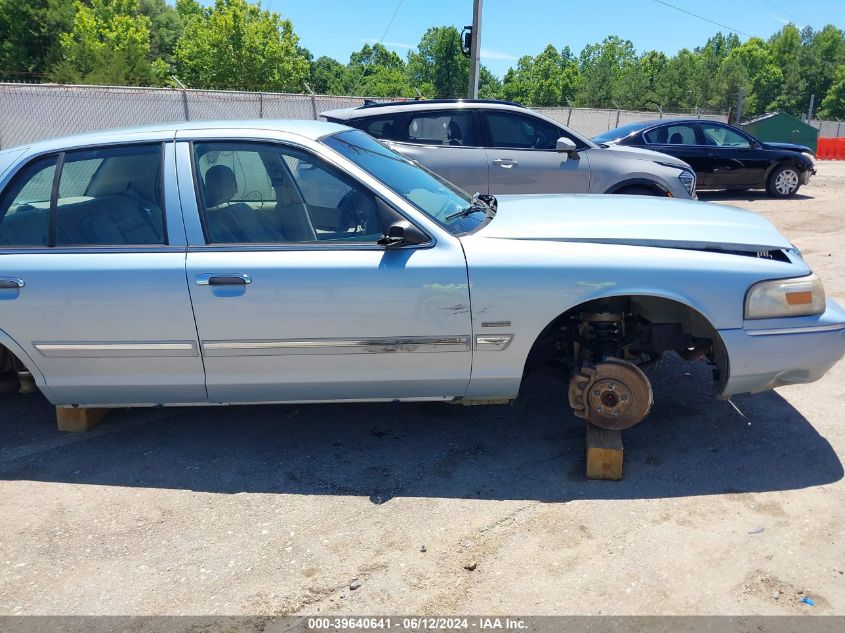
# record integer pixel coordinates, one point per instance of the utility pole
(739, 101)
(475, 50)
(810, 111)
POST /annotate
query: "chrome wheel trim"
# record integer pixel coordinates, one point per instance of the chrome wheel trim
(786, 182)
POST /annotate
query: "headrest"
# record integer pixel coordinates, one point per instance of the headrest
(220, 185)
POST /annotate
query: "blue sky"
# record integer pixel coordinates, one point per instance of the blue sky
(516, 27)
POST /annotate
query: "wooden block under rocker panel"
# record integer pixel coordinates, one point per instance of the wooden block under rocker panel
(604, 453)
(78, 419)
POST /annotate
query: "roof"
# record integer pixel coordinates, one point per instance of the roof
(368, 103)
(307, 128)
(374, 109)
(769, 116)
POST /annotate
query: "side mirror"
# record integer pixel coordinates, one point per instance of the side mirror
(564, 144)
(402, 233)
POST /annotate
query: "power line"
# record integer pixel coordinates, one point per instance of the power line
(381, 39)
(695, 15)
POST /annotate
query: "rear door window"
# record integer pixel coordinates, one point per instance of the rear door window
(677, 134)
(105, 197)
(453, 128)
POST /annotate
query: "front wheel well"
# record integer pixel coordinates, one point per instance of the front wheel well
(630, 327)
(646, 187)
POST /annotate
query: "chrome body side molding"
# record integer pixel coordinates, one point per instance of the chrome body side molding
(115, 349)
(336, 346)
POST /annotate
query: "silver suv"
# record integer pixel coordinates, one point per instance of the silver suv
(501, 147)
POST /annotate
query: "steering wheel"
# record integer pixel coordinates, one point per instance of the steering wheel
(540, 141)
(357, 211)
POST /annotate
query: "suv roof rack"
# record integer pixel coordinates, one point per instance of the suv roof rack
(369, 103)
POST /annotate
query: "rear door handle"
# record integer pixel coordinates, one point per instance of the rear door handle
(11, 282)
(223, 279)
(507, 163)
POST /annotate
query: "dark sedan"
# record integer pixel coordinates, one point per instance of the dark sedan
(723, 156)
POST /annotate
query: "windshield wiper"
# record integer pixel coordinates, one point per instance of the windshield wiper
(480, 202)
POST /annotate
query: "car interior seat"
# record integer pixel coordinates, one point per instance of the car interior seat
(454, 134)
(676, 139)
(236, 222)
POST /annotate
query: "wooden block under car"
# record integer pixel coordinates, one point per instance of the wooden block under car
(78, 419)
(604, 453)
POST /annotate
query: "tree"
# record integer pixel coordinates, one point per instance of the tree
(108, 44)
(165, 28)
(327, 76)
(29, 36)
(438, 68)
(833, 105)
(375, 71)
(235, 45)
(489, 86)
(601, 68)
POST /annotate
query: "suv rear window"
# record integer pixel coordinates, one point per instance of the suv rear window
(386, 127)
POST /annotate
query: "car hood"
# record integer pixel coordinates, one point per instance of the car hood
(638, 153)
(632, 220)
(791, 147)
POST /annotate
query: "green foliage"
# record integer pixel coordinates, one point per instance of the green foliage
(165, 28)
(602, 68)
(29, 36)
(437, 68)
(107, 44)
(235, 45)
(375, 71)
(833, 105)
(327, 76)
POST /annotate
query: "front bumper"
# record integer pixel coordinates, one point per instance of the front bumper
(807, 174)
(776, 352)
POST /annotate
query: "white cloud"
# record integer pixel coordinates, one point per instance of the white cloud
(373, 40)
(782, 19)
(486, 53)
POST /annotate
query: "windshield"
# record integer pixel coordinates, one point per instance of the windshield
(437, 198)
(617, 133)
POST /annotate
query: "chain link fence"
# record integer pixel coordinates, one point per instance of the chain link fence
(30, 112)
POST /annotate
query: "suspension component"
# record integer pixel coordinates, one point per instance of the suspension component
(602, 333)
(613, 394)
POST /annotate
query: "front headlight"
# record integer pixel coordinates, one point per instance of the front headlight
(687, 179)
(800, 296)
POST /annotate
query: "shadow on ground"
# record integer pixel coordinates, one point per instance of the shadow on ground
(691, 444)
(726, 195)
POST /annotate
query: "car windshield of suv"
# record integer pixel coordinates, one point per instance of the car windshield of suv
(437, 198)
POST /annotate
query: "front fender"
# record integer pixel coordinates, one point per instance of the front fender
(519, 287)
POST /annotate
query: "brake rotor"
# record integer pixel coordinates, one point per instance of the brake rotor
(613, 394)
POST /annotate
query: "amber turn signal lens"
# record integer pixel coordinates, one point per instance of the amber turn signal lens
(799, 298)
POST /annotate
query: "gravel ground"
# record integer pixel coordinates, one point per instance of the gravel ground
(434, 508)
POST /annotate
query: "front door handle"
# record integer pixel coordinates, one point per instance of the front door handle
(223, 279)
(11, 282)
(507, 163)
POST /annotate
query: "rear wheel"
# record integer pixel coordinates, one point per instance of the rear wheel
(639, 191)
(783, 182)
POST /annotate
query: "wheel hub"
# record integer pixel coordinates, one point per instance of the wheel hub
(613, 394)
(786, 182)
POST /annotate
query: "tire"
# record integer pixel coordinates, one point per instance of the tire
(639, 191)
(784, 182)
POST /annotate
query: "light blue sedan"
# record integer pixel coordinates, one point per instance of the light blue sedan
(299, 261)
